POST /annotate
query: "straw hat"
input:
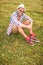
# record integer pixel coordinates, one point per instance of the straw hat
(21, 6)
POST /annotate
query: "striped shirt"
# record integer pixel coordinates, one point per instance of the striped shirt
(14, 21)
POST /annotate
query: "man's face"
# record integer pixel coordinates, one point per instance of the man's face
(20, 11)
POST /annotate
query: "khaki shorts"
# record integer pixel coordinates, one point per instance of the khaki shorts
(14, 29)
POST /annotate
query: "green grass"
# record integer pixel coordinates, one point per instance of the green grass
(14, 50)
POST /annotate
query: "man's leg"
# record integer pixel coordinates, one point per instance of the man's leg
(30, 26)
(21, 31)
(32, 34)
(16, 29)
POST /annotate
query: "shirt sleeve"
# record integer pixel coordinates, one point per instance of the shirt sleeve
(13, 21)
(9, 28)
(28, 18)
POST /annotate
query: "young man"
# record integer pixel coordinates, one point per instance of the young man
(17, 24)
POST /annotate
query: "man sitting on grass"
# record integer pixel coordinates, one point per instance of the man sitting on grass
(17, 24)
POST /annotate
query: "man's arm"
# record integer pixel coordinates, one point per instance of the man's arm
(28, 18)
(18, 23)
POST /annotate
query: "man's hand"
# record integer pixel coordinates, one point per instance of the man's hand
(28, 26)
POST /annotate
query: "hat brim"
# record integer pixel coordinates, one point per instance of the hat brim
(22, 7)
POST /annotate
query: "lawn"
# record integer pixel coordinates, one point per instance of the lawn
(14, 50)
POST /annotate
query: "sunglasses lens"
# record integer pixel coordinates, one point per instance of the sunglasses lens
(21, 11)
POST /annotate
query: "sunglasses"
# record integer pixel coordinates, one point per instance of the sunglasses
(21, 11)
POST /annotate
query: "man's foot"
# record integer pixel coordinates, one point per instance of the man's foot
(33, 38)
(29, 41)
